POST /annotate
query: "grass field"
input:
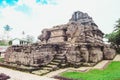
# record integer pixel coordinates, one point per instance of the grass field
(112, 72)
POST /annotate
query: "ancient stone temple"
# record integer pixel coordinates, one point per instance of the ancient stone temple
(77, 43)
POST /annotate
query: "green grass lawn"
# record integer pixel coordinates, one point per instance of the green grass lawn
(112, 72)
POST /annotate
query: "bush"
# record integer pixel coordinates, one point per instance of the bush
(1, 59)
(4, 76)
(62, 78)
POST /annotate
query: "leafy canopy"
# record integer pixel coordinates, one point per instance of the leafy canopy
(114, 37)
(7, 28)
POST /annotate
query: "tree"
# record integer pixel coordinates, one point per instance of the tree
(117, 27)
(30, 38)
(3, 43)
(7, 29)
(114, 37)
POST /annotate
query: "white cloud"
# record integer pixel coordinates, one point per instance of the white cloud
(103, 12)
(27, 2)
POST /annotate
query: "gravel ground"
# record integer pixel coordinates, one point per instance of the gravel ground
(17, 75)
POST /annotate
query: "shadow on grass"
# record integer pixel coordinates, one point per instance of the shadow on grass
(63, 78)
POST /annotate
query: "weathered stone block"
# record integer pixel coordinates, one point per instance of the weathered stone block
(56, 33)
(96, 55)
(56, 39)
(109, 53)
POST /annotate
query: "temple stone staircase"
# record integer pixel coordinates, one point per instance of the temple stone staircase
(58, 62)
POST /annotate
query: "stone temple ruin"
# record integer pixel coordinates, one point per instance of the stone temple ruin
(77, 43)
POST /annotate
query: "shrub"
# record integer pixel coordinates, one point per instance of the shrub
(4, 76)
(1, 59)
(62, 78)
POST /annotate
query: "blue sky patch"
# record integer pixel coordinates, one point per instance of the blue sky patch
(8, 2)
(11, 2)
(24, 8)
(1, 2)
(42, 1)
(46, 2)
(5, 3)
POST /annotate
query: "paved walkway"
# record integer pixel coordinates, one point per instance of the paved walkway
(54, 73)
(17, 75)
(102, 64)
(117, 58)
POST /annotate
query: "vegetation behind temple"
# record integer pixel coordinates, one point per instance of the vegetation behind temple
(1, 59)
(3, 43)
(114, 37)
(28, 39)
(6, 39)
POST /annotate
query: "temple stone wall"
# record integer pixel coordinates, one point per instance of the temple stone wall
(96, 54)
(56, 39)
(80, 41)
(109, 52)
(58, 32)
(37, 55)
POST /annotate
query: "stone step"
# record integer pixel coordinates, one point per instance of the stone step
(54, 67)
(40, 72)
(60, 57)
(44, 72)
(57, 60)
(63, 59)
(86, 64)
(54, 63)
(51, 66)
(59, 54)
(47, 68)
(63, 65)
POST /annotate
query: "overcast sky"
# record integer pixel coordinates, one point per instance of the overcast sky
(31, 16)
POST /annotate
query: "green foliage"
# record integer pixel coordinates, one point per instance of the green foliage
(30, 38)
(117, 27)
(10, 42)
(3, 43)
(114, 37)
(1, 60)
(112, 72)
(7, 28)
